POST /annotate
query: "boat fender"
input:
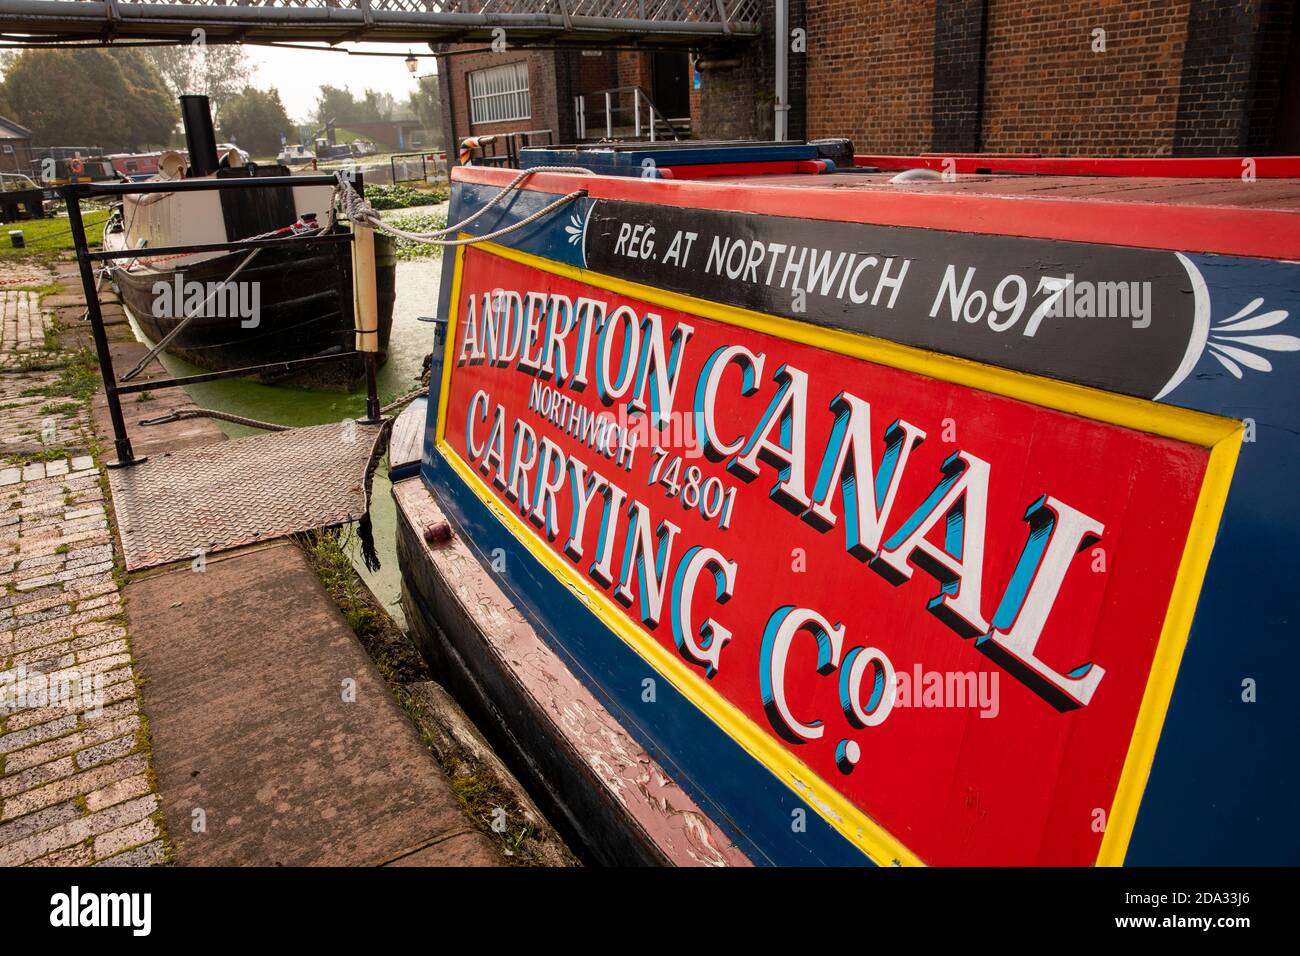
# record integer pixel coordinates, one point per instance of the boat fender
(918, 176)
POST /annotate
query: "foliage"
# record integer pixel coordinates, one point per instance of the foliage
(217, 72)
(46, 238)
(338, 105)
(426, 104)
(112, 98)
(255, 120)
(398, 197)
(419, 222)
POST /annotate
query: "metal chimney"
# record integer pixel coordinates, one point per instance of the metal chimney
(200, 138)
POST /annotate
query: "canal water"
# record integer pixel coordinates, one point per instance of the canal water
(410, 342)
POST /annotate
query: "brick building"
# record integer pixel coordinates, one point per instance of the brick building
(1124, 77)
(15, 147)
(518, 90)
(1101, 77)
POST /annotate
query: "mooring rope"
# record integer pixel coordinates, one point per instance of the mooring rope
(185, 413)
(358, 210)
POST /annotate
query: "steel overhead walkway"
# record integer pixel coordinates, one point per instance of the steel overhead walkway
(568, 22)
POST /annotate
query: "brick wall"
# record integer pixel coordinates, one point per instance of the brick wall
(957, 97)
(549, 111)
(1233, 70)
(1047, 91)
(870, 66)
(634, 69)
(1008, 76)
(19, 159)
(1277, 71)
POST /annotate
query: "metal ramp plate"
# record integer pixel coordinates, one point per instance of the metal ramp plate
(221, 496)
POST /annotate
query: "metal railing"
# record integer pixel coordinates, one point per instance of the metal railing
(405, 165)
(502, 149)
(641, 111)
(574, 22)
(86, 259)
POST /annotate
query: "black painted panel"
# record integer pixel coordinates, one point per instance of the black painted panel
(752, 261)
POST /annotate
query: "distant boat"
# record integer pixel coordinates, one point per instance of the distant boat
(285, 304)
(295, 155)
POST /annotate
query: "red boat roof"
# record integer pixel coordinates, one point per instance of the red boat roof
(1210, 214)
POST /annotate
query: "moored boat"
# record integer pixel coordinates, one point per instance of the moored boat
(227, 310)
(779, 513)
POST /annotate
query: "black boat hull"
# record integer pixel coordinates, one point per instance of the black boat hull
(304, 310)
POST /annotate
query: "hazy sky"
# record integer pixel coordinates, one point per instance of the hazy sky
(298, 74)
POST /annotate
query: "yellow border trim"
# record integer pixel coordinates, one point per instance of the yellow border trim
(1221, 435)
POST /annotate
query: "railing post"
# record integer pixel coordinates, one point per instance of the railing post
(609, 119)
(121, 441)
(636, 117)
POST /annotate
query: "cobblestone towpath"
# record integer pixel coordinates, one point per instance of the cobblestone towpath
(76, 784)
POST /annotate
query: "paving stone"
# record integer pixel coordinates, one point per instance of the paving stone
(33, 735)
(136, 786)
(25, 827)
(151, 854)
(75, 831)
(69, 744)
(79, 855)
(36, 777)
(81, 784)
(110, 750)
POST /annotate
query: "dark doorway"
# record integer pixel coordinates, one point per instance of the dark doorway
(672, 84)
(1286, 134)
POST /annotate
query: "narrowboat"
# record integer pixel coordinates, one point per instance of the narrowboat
(283, 304)
(779, 507)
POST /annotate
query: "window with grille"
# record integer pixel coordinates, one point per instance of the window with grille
(499, 94)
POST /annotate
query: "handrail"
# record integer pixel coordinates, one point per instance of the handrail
(656, 116)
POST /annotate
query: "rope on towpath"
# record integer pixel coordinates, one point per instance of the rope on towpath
(421, 390)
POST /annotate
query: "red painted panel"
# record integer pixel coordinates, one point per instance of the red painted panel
(1208, 167)
(1016, 777)
(807, 167)
(1266, 233)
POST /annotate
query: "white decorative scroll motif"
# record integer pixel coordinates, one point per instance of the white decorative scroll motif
(1231, 341)
(574, 228)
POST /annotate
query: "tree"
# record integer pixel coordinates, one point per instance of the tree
(217, 72)
(426, 104)
(255, 120)
(337, 104)
(376, 106)
(113, 99)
